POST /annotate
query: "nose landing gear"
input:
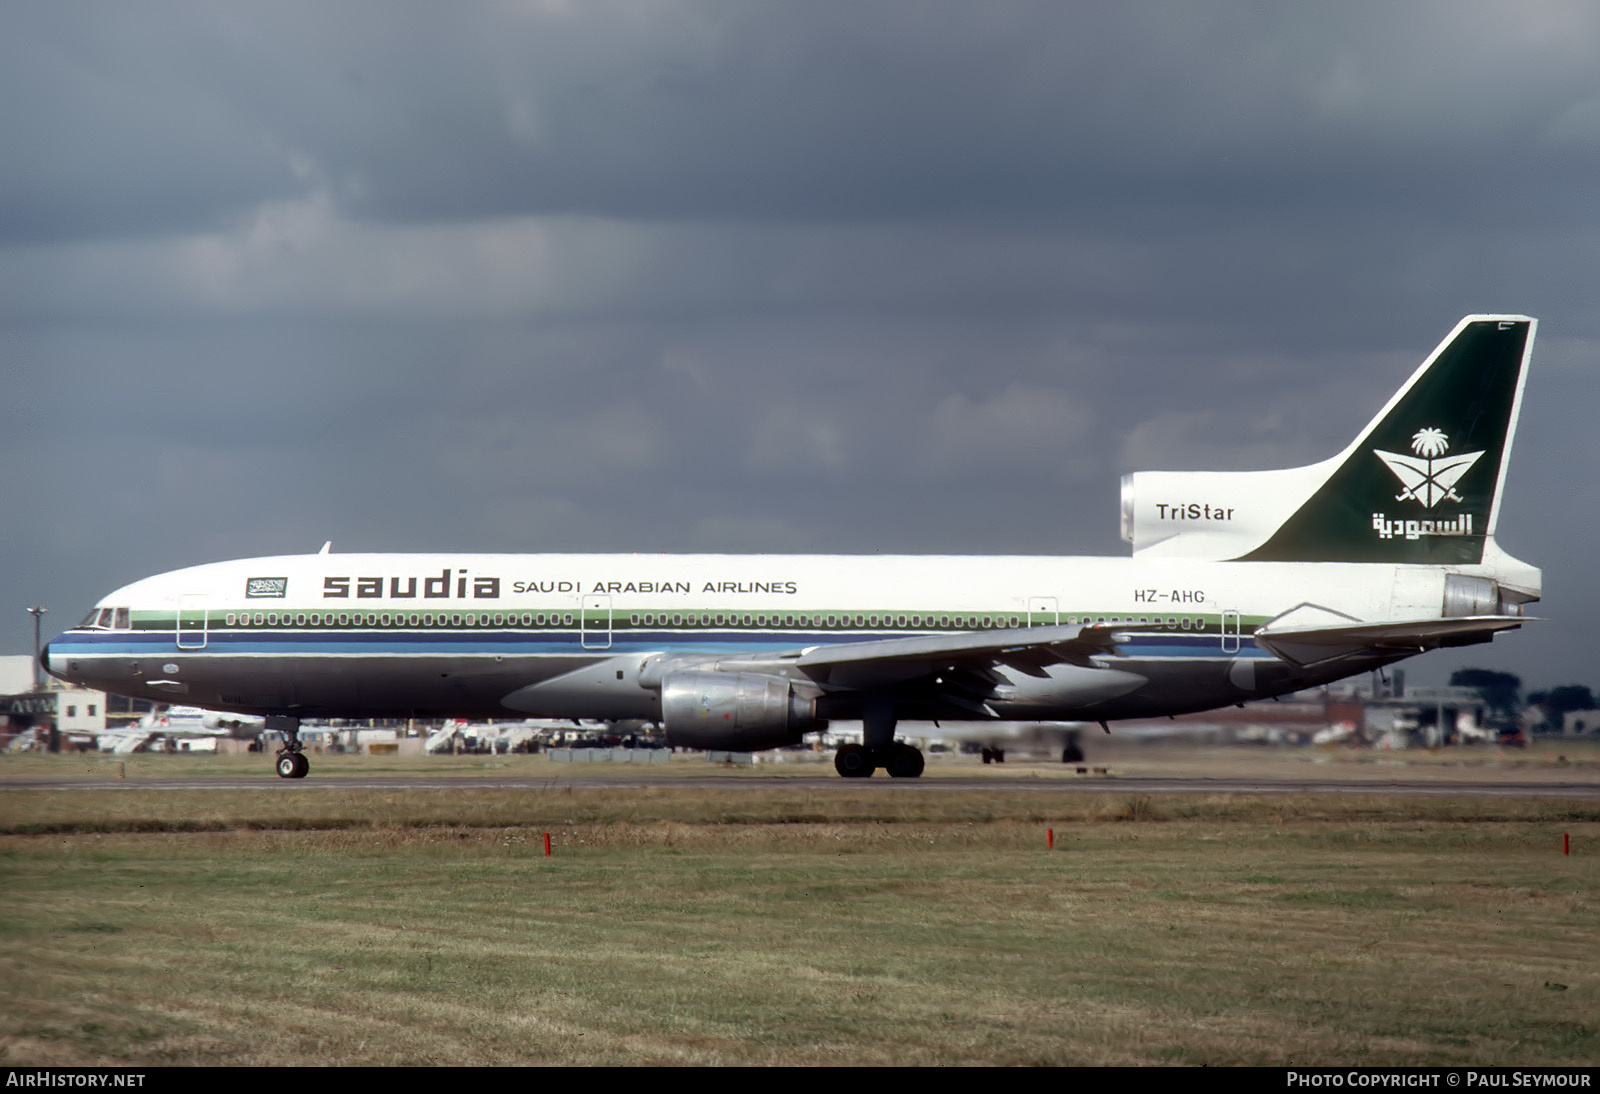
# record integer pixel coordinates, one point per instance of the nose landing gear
(292, 762)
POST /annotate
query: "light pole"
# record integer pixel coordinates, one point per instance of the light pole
(37, 614)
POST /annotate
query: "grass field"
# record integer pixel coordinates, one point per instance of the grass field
(674, 925)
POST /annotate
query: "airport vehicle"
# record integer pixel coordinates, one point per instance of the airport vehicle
(1241, 585)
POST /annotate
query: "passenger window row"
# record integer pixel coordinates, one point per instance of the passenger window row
(762, 620)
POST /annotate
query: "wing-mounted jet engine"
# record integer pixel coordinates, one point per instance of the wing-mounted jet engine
(736, 710)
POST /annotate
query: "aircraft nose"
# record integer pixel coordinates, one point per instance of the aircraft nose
(57, 667)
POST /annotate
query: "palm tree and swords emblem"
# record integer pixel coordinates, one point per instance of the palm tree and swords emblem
(1429, 476)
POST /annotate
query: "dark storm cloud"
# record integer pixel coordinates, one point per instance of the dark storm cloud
(1135, 113)
(110, 127)
(810, 276)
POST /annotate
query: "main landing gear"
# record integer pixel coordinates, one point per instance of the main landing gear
(879, 749)
(901, 761)
(292, 762)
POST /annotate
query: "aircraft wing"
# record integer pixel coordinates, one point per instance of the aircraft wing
(961, 669)
(957, 671)
(1027, 649)
(1313, 645)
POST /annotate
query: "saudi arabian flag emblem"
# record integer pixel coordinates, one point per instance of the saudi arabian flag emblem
(1429, 476)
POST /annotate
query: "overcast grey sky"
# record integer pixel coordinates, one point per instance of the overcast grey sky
(853, 276)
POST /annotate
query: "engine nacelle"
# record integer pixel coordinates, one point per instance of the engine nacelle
(744, 710)
(1464, 595)
(1211, 514)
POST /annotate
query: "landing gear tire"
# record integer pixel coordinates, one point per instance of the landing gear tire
(292, 763)
(905, 762)
(854, 762)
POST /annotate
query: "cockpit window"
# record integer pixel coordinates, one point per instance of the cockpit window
(104, 619)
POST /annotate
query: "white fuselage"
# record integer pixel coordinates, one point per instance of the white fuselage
(455, 635)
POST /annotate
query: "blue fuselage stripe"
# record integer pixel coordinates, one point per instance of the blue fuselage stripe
(521, 644)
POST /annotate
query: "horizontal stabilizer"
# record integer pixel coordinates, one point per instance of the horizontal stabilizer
(1313, 645)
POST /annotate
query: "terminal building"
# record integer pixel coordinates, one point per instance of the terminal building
(56, 712)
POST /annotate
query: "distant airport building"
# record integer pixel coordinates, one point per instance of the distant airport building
(1387, 714)
(59, 711)
(16, 675)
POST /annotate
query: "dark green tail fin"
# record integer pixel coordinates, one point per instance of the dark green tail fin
(1423, 481)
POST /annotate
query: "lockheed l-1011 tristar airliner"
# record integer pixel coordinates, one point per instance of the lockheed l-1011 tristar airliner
(1241, 585)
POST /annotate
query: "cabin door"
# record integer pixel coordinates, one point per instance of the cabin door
(595, 622)
(1043, 611)
(192, 621)
(1230, 631)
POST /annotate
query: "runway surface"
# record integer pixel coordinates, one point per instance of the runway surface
(1582, 789)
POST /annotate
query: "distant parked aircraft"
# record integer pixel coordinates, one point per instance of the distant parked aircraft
(180, 723)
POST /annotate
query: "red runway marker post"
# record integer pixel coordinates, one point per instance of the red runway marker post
(547, 845)
(1564, 845)
(1050, 838)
